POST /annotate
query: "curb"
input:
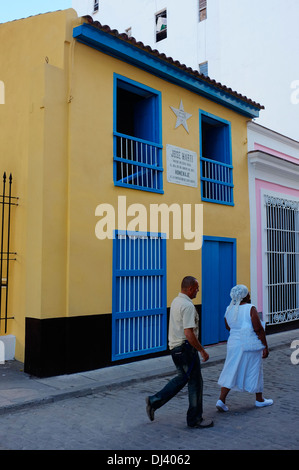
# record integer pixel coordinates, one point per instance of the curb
(96, 388)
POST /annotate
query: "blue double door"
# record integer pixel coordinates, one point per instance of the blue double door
(218, 277)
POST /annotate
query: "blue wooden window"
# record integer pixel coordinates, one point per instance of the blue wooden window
(216, 160)
(139, 318)
(137, 136)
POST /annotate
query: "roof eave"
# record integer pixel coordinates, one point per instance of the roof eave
(157, 64)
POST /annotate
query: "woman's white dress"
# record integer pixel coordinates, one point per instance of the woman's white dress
(242, 370)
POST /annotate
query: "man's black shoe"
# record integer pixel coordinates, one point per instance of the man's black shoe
(203, 423)
(149, 409)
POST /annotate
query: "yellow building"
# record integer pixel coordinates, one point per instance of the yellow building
(130, 171)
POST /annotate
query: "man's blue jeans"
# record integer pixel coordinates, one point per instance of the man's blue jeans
(187, 362)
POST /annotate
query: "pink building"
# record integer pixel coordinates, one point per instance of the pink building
(273, 164)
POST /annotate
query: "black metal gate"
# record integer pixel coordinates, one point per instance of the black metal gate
(6, 201)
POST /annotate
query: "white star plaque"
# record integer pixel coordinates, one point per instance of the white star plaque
(182, 116)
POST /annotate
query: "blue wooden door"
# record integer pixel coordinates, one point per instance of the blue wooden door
(218, 277)
(139, 314)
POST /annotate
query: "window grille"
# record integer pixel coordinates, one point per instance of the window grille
(138, 163)
(139, 294)
(216, 160)
(137, 137)
(216, 181)
(282, 226)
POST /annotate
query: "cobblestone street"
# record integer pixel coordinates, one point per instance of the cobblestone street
(116, 419)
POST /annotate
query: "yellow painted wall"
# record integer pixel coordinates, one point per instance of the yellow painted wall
(57, 139)
(92, 168)
(34, 140)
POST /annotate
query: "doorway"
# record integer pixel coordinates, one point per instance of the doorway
(218, 277)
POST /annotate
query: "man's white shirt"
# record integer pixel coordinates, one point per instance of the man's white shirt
(183, 315)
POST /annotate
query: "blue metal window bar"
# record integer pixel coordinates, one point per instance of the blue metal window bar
(139, 318)
(138, 163)
(217, 181)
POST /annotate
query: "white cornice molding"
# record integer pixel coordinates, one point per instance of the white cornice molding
(255, 127)
(274, 165)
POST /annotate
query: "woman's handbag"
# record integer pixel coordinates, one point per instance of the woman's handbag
(250, 341)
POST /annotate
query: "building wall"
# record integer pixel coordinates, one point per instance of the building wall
(238, 39)
(140, 16)
(92, 104)
(34, 148)
(273, 165)
(57, 140)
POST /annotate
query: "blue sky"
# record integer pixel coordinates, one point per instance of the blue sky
(15, 9)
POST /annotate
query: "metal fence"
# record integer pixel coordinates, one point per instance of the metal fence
(6, 201)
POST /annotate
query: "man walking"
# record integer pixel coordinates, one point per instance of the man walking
(184, 346)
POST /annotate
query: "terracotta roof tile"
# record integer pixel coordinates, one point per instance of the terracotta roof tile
(170, 60)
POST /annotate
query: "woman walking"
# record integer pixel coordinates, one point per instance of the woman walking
(246, 347)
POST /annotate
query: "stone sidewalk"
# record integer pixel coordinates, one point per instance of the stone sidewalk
(19, 390)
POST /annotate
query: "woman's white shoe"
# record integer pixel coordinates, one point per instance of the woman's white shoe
(266, 402)
(221, 406)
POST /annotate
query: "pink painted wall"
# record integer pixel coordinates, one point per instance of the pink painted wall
(259, 186)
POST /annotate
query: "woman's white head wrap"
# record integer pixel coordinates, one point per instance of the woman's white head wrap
(237, 294)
